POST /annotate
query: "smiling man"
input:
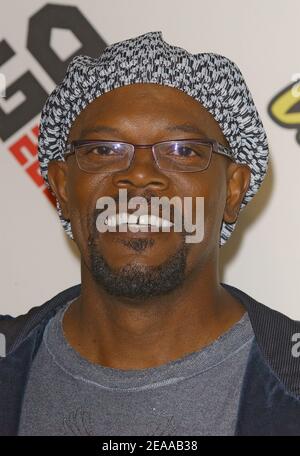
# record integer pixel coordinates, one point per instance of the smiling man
(151, 343)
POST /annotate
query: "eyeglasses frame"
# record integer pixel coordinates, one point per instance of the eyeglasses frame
(216, 148)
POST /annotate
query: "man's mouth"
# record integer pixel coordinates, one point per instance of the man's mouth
(142, 222)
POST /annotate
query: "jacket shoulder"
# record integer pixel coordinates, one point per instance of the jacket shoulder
(15, 329)
(278, 337)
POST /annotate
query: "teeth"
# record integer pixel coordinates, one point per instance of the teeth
(132, 219)
(111, 220)
(122, 218)
(166, 223)
(145, 219)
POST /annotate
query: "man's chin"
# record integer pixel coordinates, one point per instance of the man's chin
(137, 280)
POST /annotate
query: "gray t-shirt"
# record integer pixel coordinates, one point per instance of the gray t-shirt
(195, 395)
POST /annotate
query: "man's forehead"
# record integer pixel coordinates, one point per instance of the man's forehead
(145, 94)
(184, 127)
(191, 117)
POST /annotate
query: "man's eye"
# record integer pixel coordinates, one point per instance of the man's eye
(183, 151)
(102, 150)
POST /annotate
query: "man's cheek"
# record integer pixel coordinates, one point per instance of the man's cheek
(79, 222)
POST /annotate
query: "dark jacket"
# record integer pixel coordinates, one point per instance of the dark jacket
(270, 396)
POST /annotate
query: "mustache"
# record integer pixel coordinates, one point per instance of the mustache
(146, 194)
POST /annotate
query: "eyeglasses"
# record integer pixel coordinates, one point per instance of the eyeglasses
(183, 155)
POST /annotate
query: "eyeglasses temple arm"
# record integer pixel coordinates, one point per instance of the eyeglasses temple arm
(224, 151)
(69, 150)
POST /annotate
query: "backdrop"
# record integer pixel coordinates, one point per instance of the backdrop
(37, 41)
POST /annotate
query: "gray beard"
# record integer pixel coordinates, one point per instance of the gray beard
(138, 281)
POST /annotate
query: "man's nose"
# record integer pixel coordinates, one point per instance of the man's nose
(142, 172)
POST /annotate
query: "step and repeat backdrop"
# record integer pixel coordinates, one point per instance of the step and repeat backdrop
(37, 41)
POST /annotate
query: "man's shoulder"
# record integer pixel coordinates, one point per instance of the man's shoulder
(16, 328)
(278, 338)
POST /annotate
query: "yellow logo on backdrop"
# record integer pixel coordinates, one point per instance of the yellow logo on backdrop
(284, 108)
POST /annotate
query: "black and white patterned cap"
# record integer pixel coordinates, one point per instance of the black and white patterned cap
(212, 79)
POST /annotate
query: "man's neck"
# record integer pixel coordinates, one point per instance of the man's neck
(132, 334)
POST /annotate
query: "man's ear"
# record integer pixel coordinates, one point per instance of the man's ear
(237, 185)
(57, 177)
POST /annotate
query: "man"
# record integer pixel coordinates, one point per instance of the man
(151, 343)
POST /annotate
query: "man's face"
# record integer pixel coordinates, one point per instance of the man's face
(141, 265)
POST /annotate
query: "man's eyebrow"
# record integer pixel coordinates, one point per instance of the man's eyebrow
(187, 128)
(99, 129)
